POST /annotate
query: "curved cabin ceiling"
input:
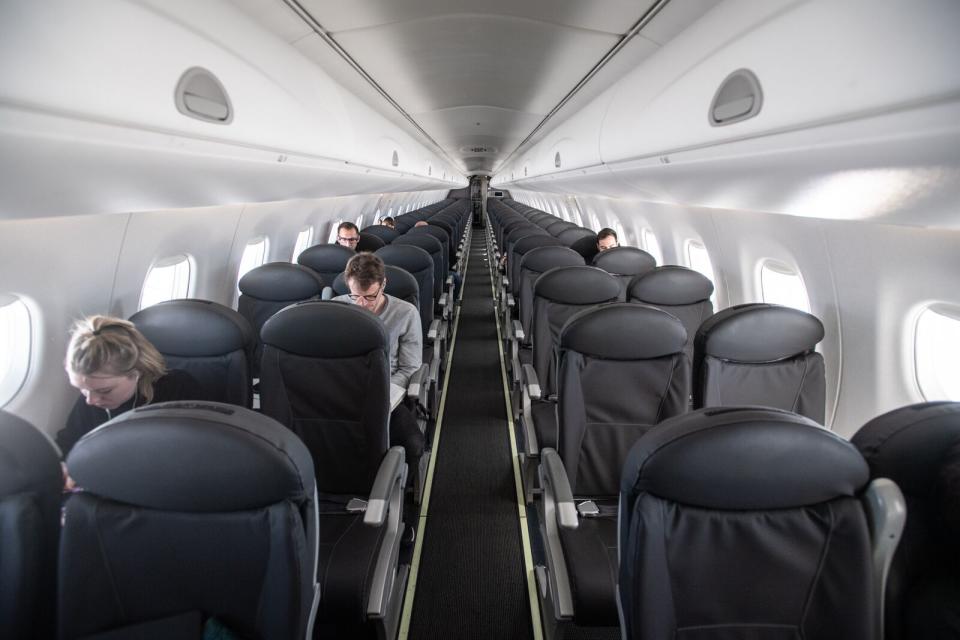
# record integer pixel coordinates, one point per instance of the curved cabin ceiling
(477, 80)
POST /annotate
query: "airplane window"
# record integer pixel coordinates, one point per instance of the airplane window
(779, 284)
(699, 260)
(15, 339)
(359, 221)
(254, 255)
(333, 230)
(168, 279)
(621, 235)
(937, 352)
(650, 244)
(304, 240)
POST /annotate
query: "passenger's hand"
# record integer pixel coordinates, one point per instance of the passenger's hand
(68, 483)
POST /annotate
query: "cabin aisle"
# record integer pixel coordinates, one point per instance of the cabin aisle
(471, 580)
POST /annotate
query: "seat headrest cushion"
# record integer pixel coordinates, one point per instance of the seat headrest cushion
(623, 331)
(326, 258)
(193, 328)
(671, 285)
(324, 329)
(280, 282)
(759, 333)
(577, 285)
(545, 258)
(625, 261)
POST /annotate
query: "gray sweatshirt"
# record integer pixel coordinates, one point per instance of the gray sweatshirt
(402, 321)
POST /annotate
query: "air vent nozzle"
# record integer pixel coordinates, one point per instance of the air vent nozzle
(738, 98)
(200, 95)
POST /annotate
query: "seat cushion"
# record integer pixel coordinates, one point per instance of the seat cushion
(591, 553)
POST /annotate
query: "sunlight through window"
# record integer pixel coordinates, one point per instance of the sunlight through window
(15, 338)
(938, 352)
(168, 279)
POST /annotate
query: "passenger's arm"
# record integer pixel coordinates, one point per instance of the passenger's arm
(409, 351)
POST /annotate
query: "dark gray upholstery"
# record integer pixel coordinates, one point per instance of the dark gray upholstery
(432, 246)
(189, 511)
(913, 446)
(520, 248)
(626, 263)
(326, 259)
(382, 231)
(586, 247)
(678, 290)
(760, 354)
(370, 242)
(570, 236)
(30, 484)
(211, 342)
(419, 264)
(745, 523)
(532, 265)
(269, 288)
(450, 252)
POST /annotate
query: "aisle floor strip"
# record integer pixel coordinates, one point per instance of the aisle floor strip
(425, 501)
(518, 482)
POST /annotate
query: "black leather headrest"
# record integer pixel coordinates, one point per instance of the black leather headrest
(413, 259)
(528, 243)
(545, 258)
(624, 261)
(382, 231)
(326, 258)
(670, 285)
(194, 457)
(743, 458)
(569, 236)
(325, 329)
(576, 285)
(586, 247)
(523, 231)
(908, 444)
(193, 328)
(28, 460)
(370, 242)
(759, 332)
(424, 241)
(623, 331)
(281, 282)
(400, 283)
(559, 226)
(433, 230)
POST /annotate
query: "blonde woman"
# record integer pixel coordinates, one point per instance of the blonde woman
(116, 369)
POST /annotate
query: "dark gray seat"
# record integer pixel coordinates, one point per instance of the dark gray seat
(760, 354)
(624, 262)
(189, 511)
(30, 484)
(570, 236)
(586, 247)
(432, 246)
(533, 264)
(681, 291)
(419, 264)
(918, 447)
(621, 370)
(326, 259)
(382, 231)
(269, 288)
(211, 342)
(750, 523)
(326, 376)
(370, 242)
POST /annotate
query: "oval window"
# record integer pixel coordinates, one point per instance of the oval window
(780, 284)
(304, 241)
(651, 245)
(699, 260)
(937, 352)
(168, 279)
(15, 341)
(254, 255)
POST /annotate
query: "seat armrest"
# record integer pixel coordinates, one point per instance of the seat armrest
(449, 279)
(510, 301)
(886, 512)
(392, 472)
(327, 293)
(531, 382)
(518, 333)
(418, 382)
(432, 331)
(556, 485)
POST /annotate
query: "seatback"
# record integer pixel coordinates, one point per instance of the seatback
(760, 354)
(370, 242)
(419, 264)
(326, 259)
(558, 294)
(745, 523)
(383, 232)
(621, 370)
(520, 248)
(211, 342)
(30, 484)
(189, 511)
(570, 236)
(532, 265)
(326, 375)
(442, 237)
(586, 247)
(678, 290)
(432, 246)
(269, 288)
(626, 263)
(912, 446)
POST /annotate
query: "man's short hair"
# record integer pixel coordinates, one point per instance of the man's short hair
(388, 221)
(422, 223)
(607, 232)
(349, 226)
(365, 269)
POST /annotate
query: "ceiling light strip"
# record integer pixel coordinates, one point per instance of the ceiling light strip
(326, 37)
(634, 30)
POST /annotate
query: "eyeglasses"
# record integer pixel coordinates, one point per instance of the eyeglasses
(350, 240)
(369, 298)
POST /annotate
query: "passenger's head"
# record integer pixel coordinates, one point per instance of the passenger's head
(607, 239)
(422, 223)
(348, 235)
(366, 277)
(109, 361)
(388, 222)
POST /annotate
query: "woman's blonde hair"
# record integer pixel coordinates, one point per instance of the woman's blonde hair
(101, 344)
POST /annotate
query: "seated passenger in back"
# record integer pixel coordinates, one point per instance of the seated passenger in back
(116, 369)
(607, 239)
(348, 235)
(388, 222)
(366, 278)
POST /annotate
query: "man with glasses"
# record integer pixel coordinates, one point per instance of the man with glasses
(348, 235)
(366, 278)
